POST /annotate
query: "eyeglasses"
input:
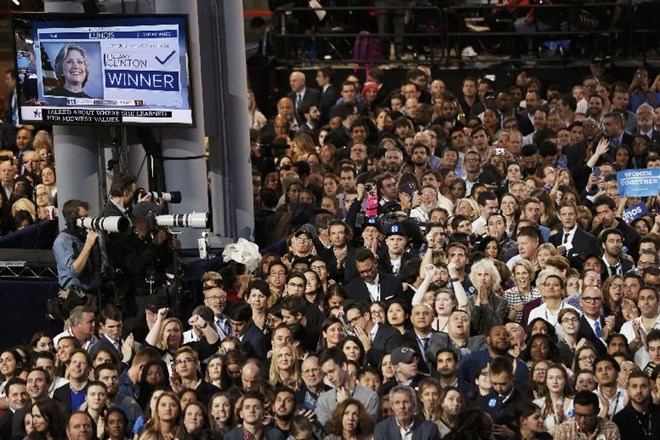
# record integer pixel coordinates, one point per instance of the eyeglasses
(570, 320)
(300, 286)
(591, 357)
(304, 239)
(278, 274)
(216, 298)
(472, 160)
(585, 416)
(592, 299)
(354, 319)
(319, 268)
(184, 361)
(616, 286)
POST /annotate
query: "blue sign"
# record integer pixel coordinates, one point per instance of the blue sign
(639, 183)
(634, 212)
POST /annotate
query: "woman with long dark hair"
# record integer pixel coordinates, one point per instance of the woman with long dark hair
(350, 421)
(48, 421)
(529, 423)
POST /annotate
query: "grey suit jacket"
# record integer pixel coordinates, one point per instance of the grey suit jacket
(422, 429)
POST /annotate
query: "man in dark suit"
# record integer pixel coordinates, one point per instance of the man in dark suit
(122, 190)
(310, 116)
(613, 131)
(645, 122)
(504, 399)
(251, 413)
(72, 395)
(373, 285)
(404, 406)
(573, 239)
(255, 344)
(593, 327)
(422, 336)
(378, 339)
(340, 256)
(329, 93)
(110, 320)
(605, 208)
(17, 397)
(38, 383)
(301, 94)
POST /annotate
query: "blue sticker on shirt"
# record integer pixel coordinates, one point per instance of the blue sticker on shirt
(571, 413)
(492, 402)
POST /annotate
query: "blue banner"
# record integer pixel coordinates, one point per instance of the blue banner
(639, 183)
(634, 212)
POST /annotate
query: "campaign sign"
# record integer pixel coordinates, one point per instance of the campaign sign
(639, 183)
(105, 69)
(634, 212)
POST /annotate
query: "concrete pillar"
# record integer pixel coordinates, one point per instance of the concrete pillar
(187, 176)
(76, 148)
(225, 108)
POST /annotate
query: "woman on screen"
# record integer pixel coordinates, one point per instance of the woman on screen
(72, 72)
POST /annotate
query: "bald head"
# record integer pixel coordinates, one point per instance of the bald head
(251, 374)
(297, 81)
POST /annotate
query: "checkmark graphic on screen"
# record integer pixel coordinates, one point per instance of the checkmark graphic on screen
(162, 62)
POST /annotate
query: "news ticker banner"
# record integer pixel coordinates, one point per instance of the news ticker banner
(639, 182)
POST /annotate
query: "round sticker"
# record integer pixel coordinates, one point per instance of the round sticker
(492, 402)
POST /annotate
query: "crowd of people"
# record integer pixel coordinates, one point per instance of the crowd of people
(485, 277)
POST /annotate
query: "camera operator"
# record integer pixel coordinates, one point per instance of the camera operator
(122, 193)
(73, 248)
(142, 257)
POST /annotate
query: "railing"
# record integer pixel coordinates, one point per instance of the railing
(290, 50)
(449, 35)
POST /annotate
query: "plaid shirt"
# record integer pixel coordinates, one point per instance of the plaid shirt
(513, 298)
(605, 430)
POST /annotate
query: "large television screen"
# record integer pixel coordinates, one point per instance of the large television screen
(104, 69)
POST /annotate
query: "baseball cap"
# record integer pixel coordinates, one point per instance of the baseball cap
(403, 354)
(141, 209)
(395, 229)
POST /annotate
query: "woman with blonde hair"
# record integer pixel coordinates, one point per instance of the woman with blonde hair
(301, 146)
(284, 368)
(257, 119)
(486, 307)
(165, 422)
(467, 207)
(545, 251)
(44, 199)
(523, 292)
(26, 205)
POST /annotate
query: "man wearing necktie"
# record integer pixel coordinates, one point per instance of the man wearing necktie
(593, 327)
(301, 94)
(421, 335)
(110, 322)
(572, 238)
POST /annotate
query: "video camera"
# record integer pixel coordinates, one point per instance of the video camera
(169, 197)
(108, 224)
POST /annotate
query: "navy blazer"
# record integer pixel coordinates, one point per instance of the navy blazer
(583, 243)
(587, 332)
(387, 338)
(390, 288)
(104, 342)
(63, 395)
(254, 342)
(422, 429)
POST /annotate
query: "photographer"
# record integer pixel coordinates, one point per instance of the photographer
(142, 257)
(122, 193)
(73, 248)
